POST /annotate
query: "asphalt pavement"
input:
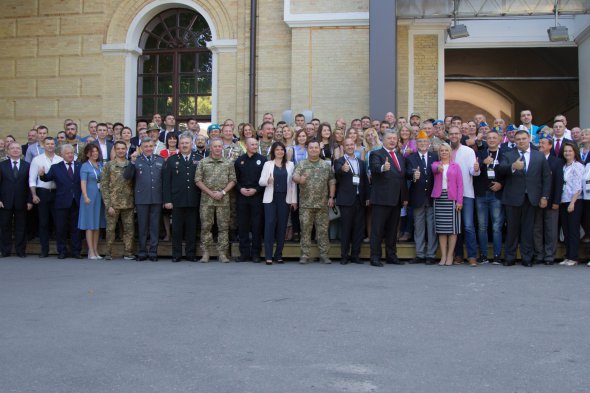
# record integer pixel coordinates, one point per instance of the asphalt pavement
(124, 326)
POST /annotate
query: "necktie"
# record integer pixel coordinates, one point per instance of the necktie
(424, 163)
(70, 170)
(557, 147)
(392, 154)
(15, 169)
(185, 158)
(150, 159)
(523, 159)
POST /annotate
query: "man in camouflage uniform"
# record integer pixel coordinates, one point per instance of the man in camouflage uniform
(215, 176)
(316, 182)
(117, 193)
(266, 140)
(231, 151)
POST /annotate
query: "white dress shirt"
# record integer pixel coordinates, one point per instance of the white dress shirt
(42, 161)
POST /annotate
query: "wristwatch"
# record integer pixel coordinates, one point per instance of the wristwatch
(223, 192)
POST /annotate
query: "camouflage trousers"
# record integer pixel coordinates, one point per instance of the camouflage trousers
(128, 229)
(320, 217)
(208, 215)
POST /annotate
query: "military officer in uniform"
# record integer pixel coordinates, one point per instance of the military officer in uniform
(231, 151)
(317, 186)
(182, 196)
(117, 194)
(248, 169)
(146, 170)
(215, 176)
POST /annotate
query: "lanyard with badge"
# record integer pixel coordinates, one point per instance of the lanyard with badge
(356, 179)
(96, 175)
(490, 171)
(566, 172)
(267, 150)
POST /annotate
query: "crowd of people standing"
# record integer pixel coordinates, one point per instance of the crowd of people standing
(445, 184)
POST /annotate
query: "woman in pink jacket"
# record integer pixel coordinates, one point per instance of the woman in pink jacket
(448, 201)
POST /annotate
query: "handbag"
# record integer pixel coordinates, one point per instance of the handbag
(333, 213)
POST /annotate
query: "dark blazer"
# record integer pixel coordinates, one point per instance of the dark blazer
(556, 167)
(14, 192)
(109, 149)
(536, 181)
(421, 189)
(504, 147)
(481, 183)
(67, 191)
(178, 181)
(345, 190)
(388, 188)
(24, 148)
(562, 141)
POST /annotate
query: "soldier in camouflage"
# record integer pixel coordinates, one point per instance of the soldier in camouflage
(215, 176)
(266, 140)
(316, 182)
(117, 193)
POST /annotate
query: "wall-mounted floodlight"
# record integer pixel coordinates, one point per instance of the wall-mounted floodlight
(457, 31)
(557, 33)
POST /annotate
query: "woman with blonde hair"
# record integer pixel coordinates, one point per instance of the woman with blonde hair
(288, 136)
(246, 132)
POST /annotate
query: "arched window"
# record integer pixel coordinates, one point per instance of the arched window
(174, 71)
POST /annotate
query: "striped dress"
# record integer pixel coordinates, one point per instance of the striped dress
(447, 220)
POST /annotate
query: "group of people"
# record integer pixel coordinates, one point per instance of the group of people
(378, 181)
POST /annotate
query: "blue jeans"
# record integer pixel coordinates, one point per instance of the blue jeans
(489, 206)
(468, 235)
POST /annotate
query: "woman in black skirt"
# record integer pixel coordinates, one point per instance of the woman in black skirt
(448, 201)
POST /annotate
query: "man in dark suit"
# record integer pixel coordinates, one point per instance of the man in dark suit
(527, 187)
(141, 124)
(66, 175)
(15, 200)
(169, 124)
(558, 137)
(31, 140)
(182, 196)
(546, 230)
(104, 145)
(419, 171)
(388, 195)
(351, 198)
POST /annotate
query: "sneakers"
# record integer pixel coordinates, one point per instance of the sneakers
(483, 260)
(497, 260)
(129, 257)
(568, 262)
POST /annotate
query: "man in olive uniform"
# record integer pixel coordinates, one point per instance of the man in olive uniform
(146, 170)
(182, 196)
(215, 176)
(266, 140)
(231, 151)
(317, 186)
(117, 193)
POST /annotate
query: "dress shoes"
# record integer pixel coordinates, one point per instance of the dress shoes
(256, 259)
(176, 259)
(548, 263)
(21, 255)
(344, 261)
(77, 256)
(356, 260)
(527, 263)
(191, 259)
(153, 259)
(395, 261)
(508, 263)
(417, 260)
(430, 261)
(61, 256)
(243, 258)
(142, 258)
(376, 263)
(44, 255)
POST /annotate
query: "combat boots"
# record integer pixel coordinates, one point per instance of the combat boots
(223, 258)
(205, 257)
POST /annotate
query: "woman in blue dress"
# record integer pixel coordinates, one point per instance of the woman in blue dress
(91, 217)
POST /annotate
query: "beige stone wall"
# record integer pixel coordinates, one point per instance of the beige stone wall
(324, 6)
(426, 75)
(402, 71)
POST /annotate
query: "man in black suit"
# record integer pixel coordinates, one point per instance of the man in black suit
(31, 140)
(527, 187)
(419, 171)
(546, 229)
(558, 137)
(66, 175)
(104, 145)
(182, 196)
(388, 195)
(351, 198)
(15, 200)
(169, 124)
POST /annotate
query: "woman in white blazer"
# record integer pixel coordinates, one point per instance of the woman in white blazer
(279, 196)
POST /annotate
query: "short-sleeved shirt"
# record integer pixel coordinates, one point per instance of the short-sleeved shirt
(314, 192)
(215, 174)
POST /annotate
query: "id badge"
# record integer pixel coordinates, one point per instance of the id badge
(356, 180)
(491, 174)
(564, 185)
(587, 188)
(98, 185)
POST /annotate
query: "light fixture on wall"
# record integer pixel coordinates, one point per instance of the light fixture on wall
(457, 31)
(557, 33)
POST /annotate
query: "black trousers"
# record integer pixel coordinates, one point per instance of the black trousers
(384, 224)
(249, 222)
(7, 218)
(66, 221)
(571, 228)
(520, 221)
(352, 228)
(46, 214)
(276, 214)
(184, 222)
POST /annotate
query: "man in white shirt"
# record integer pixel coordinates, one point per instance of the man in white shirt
(43, 193)
(105, 146)
(465, 157)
